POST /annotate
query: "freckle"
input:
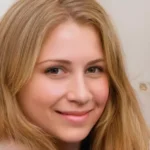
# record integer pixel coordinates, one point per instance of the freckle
(143, 87)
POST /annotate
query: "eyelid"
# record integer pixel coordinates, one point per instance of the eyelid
(66, 69)
(97, 66)
(56, 66)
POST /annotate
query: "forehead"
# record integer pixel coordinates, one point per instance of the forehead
(71, 40)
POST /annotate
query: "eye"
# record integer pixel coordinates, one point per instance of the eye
(95, 69)
(54, 70)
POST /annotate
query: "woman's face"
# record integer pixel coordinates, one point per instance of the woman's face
(69, 87)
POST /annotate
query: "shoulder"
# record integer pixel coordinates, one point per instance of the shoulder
(11, 146)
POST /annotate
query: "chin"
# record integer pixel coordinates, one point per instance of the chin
(73, 136)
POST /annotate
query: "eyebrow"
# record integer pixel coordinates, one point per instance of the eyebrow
(67, 62)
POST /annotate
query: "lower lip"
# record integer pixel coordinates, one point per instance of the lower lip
(76, 119)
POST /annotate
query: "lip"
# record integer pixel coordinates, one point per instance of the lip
(75, 116)
(74, 113)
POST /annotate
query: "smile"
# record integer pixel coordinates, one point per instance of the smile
(75, 116)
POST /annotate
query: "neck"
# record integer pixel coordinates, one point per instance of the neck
(69, 146)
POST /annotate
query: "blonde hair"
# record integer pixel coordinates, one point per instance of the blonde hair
(23, 31)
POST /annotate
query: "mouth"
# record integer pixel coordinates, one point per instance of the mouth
(73, 113)
(75, 116)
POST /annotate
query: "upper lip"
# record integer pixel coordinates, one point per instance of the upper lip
(74, 113)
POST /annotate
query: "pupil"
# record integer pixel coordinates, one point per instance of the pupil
(54, 70)
(92, 69)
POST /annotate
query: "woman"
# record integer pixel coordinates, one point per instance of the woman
(63, 84)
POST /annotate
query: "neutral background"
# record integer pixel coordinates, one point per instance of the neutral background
(132, 21)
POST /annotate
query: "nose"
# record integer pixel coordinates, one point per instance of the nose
(79, 91)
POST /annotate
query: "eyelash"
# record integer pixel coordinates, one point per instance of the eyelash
(48, 70)
(52, 70)
(100, 69)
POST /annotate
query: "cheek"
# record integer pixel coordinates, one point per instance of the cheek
(100, 90)
(38, 96)
(41, 92)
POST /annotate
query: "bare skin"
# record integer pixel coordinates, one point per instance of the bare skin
(11, 146)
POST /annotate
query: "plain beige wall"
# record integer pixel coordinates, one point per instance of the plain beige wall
(132, 20)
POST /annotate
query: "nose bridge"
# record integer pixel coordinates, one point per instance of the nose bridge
(80, 88)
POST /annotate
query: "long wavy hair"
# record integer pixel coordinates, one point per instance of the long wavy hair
(23, 30)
